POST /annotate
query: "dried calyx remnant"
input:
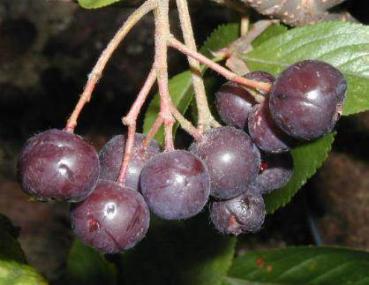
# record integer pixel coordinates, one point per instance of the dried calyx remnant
(294, 12)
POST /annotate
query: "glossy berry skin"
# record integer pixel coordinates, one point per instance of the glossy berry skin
(58, 165)
(275, 172)
(235, 102)
(260, 76)
(112, 218)
(111, 156)
(176, 185)
(232, 159)
(307, 99)
(243, 214)
(264, 132)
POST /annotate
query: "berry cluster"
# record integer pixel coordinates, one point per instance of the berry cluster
(235, 164)
(305, 103)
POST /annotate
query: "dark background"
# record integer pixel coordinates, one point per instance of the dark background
(47, 48)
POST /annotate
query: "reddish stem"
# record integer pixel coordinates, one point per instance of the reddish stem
(127, 154)
(162, 32)
(204, 114)
(140, 100)
(130, 121)
(97, 71)
(153, 131)
(218, 68)
(185, 124)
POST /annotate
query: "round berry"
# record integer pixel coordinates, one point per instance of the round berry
(176, 185)
(307, 99)
(260, 76)
(264, 132)
(234, 102)
(113, 218)
(58, 165)
(111, 157)
(243, 214)
(275, 171)
(232, 159)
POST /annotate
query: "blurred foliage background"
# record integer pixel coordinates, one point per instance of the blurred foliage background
(46, 51)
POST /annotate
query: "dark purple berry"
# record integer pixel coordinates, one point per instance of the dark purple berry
(176, 185)
(264, 132)
(234, 102)
(113, 218)
(58, 165)
(275, 171)
(232, 159)
(111, 156)
(243, 214)
(307, 99)
(260, 76)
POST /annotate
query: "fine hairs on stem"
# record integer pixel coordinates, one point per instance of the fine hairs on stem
(159, 73)
(130, 121)
(162, 32)
(205, 116)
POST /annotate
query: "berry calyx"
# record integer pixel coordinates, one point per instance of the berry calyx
(243, 214)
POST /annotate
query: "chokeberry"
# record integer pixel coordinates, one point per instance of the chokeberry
(234, 102)
(111, 157)
(243, 214)
(232, 159)
(307, 99)
(260, 76)
(176, 185)
(275, 171)
(58, 165)
(264, 132)
(113, 218)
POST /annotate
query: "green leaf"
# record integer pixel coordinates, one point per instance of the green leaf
(181, 91)
(221, 37)
(10, 248)
(272, 31)
(14, 273)
(13, 270)
(307, 158)
(180, 253)
(94, 4)
(344, 45)
(331, 42)
(180, 86)
(85, 266)
(301, 265)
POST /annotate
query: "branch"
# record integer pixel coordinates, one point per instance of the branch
(130, 121)
(97, 71)
(205, 116)
(185, 124)
(262, 86)
(162, 32)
